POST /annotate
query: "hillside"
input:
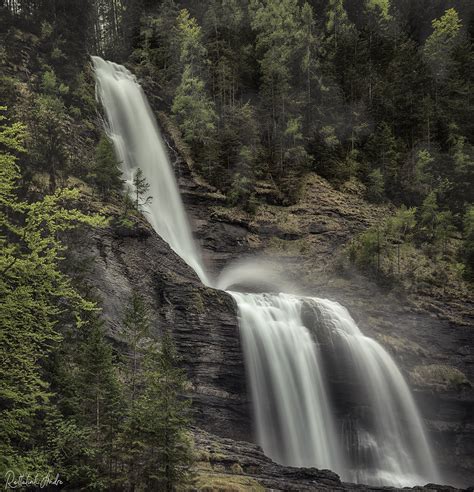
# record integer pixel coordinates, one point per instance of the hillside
(322, 149)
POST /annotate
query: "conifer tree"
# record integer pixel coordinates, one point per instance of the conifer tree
(162, 419)
(105, 173)
(140, 190)
(99, 388)
(34, 294)
(137, 326)
(468, 247)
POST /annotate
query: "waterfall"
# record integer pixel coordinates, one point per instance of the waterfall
(133, 130)
(293, 419)
(393, 450)
(293, 346)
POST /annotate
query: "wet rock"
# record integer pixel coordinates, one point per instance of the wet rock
(238, 459)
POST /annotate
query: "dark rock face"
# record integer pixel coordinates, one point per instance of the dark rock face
(220, 456)
(202, 320)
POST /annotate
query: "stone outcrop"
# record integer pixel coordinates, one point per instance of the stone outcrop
(226, 464)
(202, 320)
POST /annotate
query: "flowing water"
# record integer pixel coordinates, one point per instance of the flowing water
(394, 448)
(297, 350)
(293, 419)
(133, 130)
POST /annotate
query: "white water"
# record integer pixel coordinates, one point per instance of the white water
(293, 419)
(397, 446)
(293, 411)
(138, 144)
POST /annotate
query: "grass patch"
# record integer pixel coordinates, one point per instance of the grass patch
(439, 377)
(402, 345)
(221, 482)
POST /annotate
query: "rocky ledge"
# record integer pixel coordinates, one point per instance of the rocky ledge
(202, 320)
(229, 465)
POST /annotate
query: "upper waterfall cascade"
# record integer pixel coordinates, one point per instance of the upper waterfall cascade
(290, 343)
(138, 144)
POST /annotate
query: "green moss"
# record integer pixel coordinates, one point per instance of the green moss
(283, 247)
(198, 302)
(221, 482)
(439, 376)
(236, 468)
(402, 345)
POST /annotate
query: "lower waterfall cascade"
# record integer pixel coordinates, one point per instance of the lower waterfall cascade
(291, 344)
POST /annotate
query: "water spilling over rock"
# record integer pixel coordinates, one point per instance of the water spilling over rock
(132, 128)
(289, 355)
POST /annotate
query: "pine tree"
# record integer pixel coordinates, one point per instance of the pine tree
(140, 190)
(137, 326)
(35, 293)
(381, 150)
(468, 246)
(163, 421)
(101, 404)
(105, 173)
(375, 186)
(194, 111)
(440, 45)
(158, 450)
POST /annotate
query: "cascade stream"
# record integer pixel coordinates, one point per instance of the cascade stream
(291, 343)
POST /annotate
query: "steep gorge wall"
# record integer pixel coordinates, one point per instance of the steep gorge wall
(203, 321)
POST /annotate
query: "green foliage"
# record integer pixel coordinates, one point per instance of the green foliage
(140, 190)
(48, 143)
(105, 173)
(192, 50)
(381, 150)
(162, 418)
(375, 186)
(101, 403)
(192, 107)
(429, 215)
(241, 193)
(137, 326)
(194, 111)
(35, 294)
(468, 248)
(440, 44)
(346, 94)
(387, 252)
(159, 449)
(280, 37)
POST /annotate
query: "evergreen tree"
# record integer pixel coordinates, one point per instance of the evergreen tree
(137, 326)
(101, 405)
(48, 145)
(468, 247)
(194, 111)
(375, 186)
(192, 108)
(156, 430)
(162, 420)
(140, 190)
(440, 45)
(381, 150)
(34, 294)
(280, 31)
(105, 173)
